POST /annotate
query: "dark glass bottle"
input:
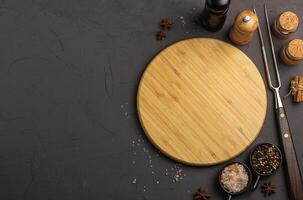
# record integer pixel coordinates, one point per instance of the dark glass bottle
(214, 14)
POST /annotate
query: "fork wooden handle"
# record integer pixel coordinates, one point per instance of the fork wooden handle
(292, 167)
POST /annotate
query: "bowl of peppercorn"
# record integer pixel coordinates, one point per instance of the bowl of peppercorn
(265, 159)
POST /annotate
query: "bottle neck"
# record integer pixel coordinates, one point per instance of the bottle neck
(217, 6)
(215, 11)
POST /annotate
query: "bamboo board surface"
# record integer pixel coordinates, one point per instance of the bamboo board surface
(201, 101)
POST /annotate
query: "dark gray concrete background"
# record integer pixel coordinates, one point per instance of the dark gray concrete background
(69, 71)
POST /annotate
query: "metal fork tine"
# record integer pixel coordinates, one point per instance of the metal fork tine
(264, 54)
(272, 47)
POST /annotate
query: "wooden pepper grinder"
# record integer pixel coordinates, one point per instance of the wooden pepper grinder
(245, 24)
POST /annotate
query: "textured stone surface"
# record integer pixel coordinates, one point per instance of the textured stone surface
(69, 71)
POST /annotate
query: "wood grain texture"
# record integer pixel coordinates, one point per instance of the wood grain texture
(242, 32)
(293, 173)
(201, 101)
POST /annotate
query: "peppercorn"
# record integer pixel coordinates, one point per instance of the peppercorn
(266, 159)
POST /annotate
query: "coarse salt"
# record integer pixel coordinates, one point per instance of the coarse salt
(234, 178)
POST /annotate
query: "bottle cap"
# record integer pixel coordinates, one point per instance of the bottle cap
(295, 49)
(288, 21)
(246, 21)
(218, 6)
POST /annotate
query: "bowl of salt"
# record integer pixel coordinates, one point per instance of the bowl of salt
(235, 178)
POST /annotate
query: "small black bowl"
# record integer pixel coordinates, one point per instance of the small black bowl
(231, 194)
(259, 175)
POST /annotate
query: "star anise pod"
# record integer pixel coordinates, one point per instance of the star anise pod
(161, 35)
(166, 24)
(201, 194)
(268, 188)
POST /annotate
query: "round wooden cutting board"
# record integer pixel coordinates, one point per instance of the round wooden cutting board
(201, 101)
